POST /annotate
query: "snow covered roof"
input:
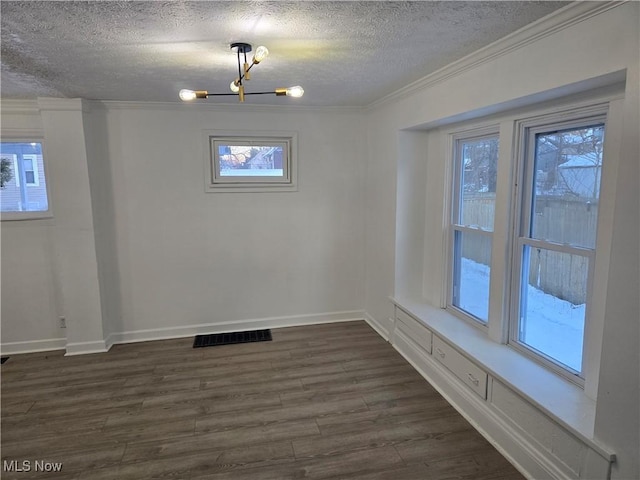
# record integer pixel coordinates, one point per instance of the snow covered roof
(582, 161)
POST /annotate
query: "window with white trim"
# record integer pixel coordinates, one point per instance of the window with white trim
(472, 216)
(29, 169)
(551, 173)
(24, 187)
(555, 240)
(251, 163)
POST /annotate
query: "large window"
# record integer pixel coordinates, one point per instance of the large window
(472, 216)
(23, 187)
(251, 163)
(525, 217)
(555, 245)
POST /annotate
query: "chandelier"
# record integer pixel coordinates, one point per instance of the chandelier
(237, 85)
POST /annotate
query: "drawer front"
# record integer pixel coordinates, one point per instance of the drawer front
(467, 371)
(413, 329)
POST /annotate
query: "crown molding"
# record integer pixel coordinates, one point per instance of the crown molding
(16, 106)
(222, 107)
(63, 104)
(561, 19)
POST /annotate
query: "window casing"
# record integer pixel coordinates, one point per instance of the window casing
(527, 263)
(251, 163)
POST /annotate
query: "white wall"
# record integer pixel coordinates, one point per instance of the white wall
(49, 265)
(137, 249)
(590, 48)
(28, 299)
(29, 309)
(186, 257)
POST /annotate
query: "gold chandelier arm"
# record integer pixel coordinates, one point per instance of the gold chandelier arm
(236, 86)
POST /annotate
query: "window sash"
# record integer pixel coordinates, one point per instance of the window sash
(218, 178)
(528, 154)
(518, 283)
(26, 158)
(457, 275)
(523, 238)
(458, 175)
(457, 229)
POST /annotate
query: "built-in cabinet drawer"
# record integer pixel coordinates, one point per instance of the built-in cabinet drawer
(414, 330)
(461, 366)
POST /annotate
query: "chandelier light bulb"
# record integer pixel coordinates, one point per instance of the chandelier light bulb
(238, 85)
(186, 95)
(295, 92)
(261, 54)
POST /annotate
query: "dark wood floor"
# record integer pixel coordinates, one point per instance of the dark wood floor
(324, 401)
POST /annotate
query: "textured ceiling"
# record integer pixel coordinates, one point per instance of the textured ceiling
(342, 53)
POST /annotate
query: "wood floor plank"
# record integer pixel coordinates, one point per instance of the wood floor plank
(258, 417)
(447, 445)
(488, 465)
(221, 440)
(341, 466)
(363, 420)
(329, 401)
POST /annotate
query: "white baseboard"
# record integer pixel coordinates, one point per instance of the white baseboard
(32, 346)
(84, 348)
(101, 346)
(236, 325)
(383, 330)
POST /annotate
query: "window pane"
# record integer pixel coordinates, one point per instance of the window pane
(471, 269)
(15, 196)
(553, 304)
(567, 169)
(251, 161)
(478, 177)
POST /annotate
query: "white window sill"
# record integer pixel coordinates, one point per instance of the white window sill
(558, 398)
(249, 188)
(18, 216)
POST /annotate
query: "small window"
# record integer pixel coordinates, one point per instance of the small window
(262, 163)
(473, 202)
(23, 187)
(30, 167)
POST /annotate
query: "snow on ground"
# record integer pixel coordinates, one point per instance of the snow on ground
(552, 326)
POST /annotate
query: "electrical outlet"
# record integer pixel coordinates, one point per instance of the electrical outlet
(63, 322)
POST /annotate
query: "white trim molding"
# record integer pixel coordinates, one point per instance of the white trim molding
(233, 326)
(102, 346)
(218, 108)
(383, 329)
(32, 346)
(561, 19)
(83, 348)
(19, 106)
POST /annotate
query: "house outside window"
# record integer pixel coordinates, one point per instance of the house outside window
(24, 186)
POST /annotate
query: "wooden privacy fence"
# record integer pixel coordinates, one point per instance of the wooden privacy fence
(560, 220)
